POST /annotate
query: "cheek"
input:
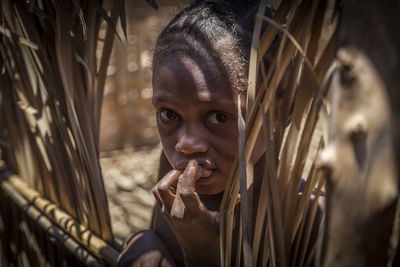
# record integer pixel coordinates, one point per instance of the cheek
(227, 146)
(168, 142)
(168, 139)
(227, 140)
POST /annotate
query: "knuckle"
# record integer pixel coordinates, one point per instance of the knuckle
(175, 172)
(187, 194)
(180, 178)
(178, 218)
(162, 187)
(154, 190)
(186, 174)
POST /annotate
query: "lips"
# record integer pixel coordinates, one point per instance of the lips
(211, 180)
(203, 181)
(205, 164)
(204, 172)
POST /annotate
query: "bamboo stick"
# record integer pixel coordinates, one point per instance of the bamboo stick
(87, 239)
(51, 228)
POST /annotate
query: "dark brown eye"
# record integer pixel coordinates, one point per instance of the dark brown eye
(168, 115)
(217, 118)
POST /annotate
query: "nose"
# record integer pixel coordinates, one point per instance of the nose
(190, 142)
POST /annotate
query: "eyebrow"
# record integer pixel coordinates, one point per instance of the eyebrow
(160, 100)
(172, 101)
(163, 99)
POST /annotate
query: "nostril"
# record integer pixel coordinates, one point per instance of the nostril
(191, 149)
(190, 145)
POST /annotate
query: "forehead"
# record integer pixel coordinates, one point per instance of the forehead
(186, 78)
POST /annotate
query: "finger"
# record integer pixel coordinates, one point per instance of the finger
(186, 181)
(178, 208)
(201, 172)
(186, 186)
(153, 259)
(165, 263)
(157, 196)
(166, 189)
(149, 259)
(238, 199)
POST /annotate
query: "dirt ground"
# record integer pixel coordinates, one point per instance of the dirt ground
(129, 176)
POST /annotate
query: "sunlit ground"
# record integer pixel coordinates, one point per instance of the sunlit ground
(129, 178)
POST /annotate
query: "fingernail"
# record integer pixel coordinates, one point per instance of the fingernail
(192, 163)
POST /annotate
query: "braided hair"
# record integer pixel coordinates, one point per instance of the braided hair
(217, 34)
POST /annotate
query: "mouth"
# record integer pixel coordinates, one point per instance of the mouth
(205, 176)
(202, 173)
(205, 171)
(204, 164)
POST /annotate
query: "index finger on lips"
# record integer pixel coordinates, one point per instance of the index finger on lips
(164, 191)
(186, 184)
(187, 180)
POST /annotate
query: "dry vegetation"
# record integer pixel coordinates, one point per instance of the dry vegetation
(337, 79)
(338, 62)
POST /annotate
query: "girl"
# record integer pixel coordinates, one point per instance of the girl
(200, 66)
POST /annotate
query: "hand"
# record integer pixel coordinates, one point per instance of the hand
(152, 258)
(195, 227)
(145, 249)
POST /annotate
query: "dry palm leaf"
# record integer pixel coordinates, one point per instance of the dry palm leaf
(51, 96)
(282, 227)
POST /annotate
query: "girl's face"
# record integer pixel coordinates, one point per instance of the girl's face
(196, 119)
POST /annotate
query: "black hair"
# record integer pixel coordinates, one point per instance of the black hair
(215, 33)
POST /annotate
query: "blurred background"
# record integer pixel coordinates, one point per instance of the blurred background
(128, 135)
(127, 115)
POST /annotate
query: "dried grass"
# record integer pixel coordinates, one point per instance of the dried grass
(280, 233)
(51, 97)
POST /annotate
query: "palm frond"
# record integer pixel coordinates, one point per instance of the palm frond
(285, 214)
(51, 97)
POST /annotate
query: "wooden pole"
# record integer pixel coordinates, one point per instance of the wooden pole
(71, 245)
(61, 223)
